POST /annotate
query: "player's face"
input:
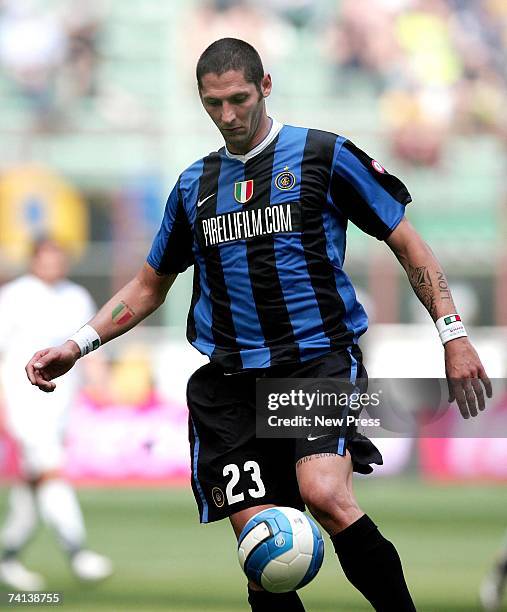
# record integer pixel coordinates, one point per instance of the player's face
(236, 107)
(50, 263)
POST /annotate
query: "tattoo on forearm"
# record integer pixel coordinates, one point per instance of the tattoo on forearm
(420, 276)
(311, 457)
(420, 280)
(122, 313)
(443, 287)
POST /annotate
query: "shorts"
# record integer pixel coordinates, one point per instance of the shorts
(36, 422)
(232, 469)
(47, 454)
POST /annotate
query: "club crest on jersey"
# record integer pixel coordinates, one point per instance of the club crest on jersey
(243, 191)
(285, 180)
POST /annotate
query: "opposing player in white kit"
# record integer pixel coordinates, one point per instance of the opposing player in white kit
(41, 307)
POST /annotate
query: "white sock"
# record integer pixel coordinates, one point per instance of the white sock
(21, 519)
(60, 510)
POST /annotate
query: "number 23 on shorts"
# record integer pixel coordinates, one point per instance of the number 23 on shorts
(233, 470)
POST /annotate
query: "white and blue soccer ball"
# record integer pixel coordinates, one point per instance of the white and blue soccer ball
(280, 549)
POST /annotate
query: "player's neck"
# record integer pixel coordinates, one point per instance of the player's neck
(261, 134)
(262, 131)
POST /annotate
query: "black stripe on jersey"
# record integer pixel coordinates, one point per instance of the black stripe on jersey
(196, 295)
(267, 290)
(355, 208)
(178, 254)
(389, 182)
(224, 334)
(315, 178)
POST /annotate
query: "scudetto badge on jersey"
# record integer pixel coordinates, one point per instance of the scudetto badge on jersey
(285, 180)
(243, 191)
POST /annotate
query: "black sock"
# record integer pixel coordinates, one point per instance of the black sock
(263, 601)
(373, 566)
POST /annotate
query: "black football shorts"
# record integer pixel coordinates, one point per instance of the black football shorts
(232, 469)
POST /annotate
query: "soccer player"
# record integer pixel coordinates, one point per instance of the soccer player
(43, 307)
(263, 221)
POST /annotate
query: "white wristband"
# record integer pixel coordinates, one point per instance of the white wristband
(87, 339)
(450, 327)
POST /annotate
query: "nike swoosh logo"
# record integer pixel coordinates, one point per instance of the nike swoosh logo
(201, 202)
(311, 438)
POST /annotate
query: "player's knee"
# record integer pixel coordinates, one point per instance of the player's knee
(330, 503)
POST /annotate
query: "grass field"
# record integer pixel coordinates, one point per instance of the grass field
(165, 560)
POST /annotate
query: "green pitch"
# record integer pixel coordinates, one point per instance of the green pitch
(165, 560)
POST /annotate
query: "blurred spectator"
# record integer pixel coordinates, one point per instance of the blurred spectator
(82, 27)
(49, 55)
(215, 19)
(299, 13)
(480, 34)
(32, 48)
(438, 64)
(362, 39)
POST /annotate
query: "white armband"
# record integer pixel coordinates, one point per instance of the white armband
(450, 327)
(87, 339)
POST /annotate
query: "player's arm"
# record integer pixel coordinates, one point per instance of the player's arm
(423, 270)
(134, 302)
(463, 366)
(129, 306)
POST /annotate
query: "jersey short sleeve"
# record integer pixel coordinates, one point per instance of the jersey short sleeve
(171, 251)
(364, 192)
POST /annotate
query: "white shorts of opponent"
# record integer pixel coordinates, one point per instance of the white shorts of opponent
(37, 422)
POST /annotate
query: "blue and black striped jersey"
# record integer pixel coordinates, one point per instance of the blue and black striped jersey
(266, 234)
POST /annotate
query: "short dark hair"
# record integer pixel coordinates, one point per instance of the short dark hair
(231, 54)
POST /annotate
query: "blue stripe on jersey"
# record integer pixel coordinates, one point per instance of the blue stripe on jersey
(204, 342)
(197, 444)
(291, 263)
(389, 210)
(189, 185)
(355, 316)
(335, 228)
(353, 378)
(237, 278)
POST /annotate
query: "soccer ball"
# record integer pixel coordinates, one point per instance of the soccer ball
(280, 549)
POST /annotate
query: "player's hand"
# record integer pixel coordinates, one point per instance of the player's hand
(50, 363)
(465, 373)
